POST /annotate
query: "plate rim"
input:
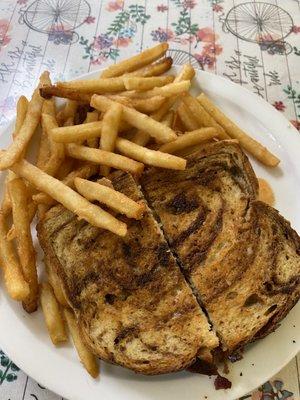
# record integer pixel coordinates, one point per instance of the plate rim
(59, 389)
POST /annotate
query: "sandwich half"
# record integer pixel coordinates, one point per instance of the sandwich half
(132, 303)
(241, 258)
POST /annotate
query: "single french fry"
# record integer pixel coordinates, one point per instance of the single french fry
(22, 106)
(265, 192)
(136, 62)
(69, 109)
(169, 90)
(55, 283)
(153, 69)
(115, 200)
(88, 360)
(19, 199)
(103, 157)
(31, 209)
(142, 83)
(20, 142)
(43, 151)
(53, 318)
(16, 286)
(57, 150)
(76, 133)
(69, 198)
(142, 137)
(72, 95)
(94, 85)
(189, 139)
(110, 126)
(187, 118)
(160, 132)
(202, 116)
(168, 119)
(145, 106)
(255, 148)
(92, 117)
(150, 157)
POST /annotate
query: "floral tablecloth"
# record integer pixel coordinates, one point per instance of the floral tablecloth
(253, 43)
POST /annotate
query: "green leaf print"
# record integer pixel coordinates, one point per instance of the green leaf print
(184, 24)
(118, 23)
(293, 95)
(138, 14)
(7, 369)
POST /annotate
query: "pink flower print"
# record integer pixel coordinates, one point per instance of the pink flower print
(189, 4)
(279, 105)
(212, 48)
(115, 5)
(90, 20)
(4, 28)
(217, 8)
(296, 124)
(122, 41)
(206, 60)
(206, 35)
(162, 8)
(296, 29)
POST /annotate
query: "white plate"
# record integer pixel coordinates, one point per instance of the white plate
(24, 338)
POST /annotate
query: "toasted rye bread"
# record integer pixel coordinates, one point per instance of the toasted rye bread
(240, 256)
(132, 303)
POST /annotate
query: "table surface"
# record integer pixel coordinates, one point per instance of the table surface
(255, 44)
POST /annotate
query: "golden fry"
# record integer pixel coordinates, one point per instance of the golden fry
(110, 197)
(32, 119)
(92, 117)
(53, 318)
(168, 90)
(55, 282)
(88, 360)
(136, 62)
(103, 157)
(110, 126)
(160, 132)
(168, 119)
(202, 116)
(189, 139)
(72, 95)
(69, 198)
(19, 199)
(150, 157)
(187, 118)
(145, 106)
(153, 69)
(255, 148)
(94, 85)
(76, 133)
(142, 83)
(16, 286)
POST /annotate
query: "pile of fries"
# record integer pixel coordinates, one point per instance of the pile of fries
(131, 116)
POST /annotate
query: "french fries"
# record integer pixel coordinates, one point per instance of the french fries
(150, 157)
(109, 132)
(145, 106)
(136, 62)
(141, 137)
(189, 139)
(256, 149)
(19, 145)
(92, 116)
(69, 198)
(159, 131)
(142, 83)
(76, 133)
(53, 318)
(56, 284)
(153, 69)
(22, 106)
(103, 157)
(16, 286)
(88, 360)
(187, 118)
(110, 197)
(85, 171)
(202, 116)
(19, 199)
